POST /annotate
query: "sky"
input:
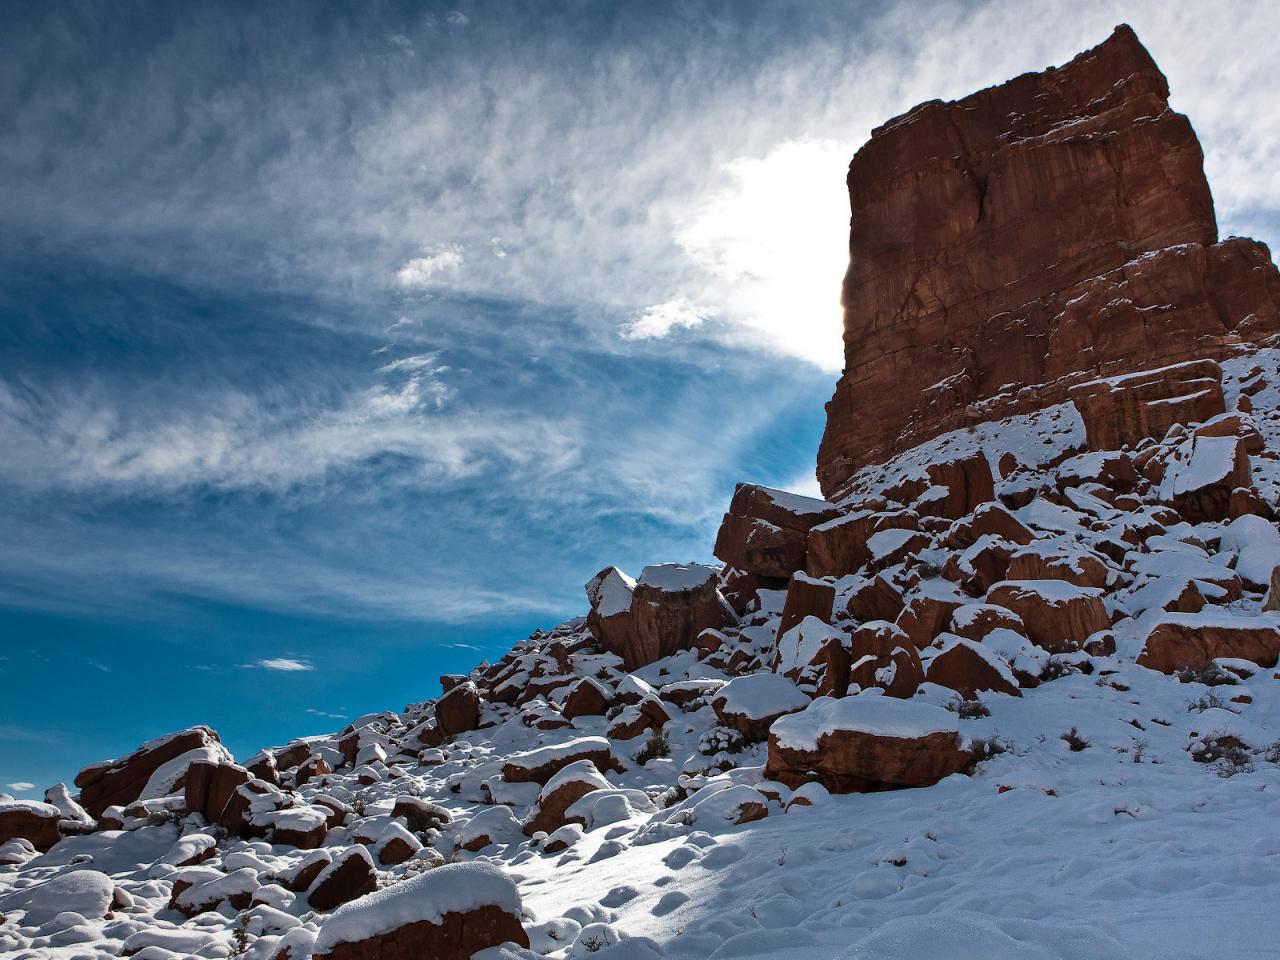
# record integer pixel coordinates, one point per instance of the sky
(341, 344)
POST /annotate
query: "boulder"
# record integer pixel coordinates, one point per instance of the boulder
(449, 913)
(928, 610)
(209, 786)
(588, 697)
(543, 763)
(1120, 411)
(1058, 616)
(806, 597)
(865, 743)
(752, 703)
(153, 769)
(561, 792)
(1049, 562)
(839, 546)
(420, 814)
(765, 530)
(1180, 641)
(1198, 481)
(609, 620)
(958, 486)
(802, 647)
(30, 820)
(669, 606)
(458, 710)
(1048, 231)
(884, 658)
(350, 876)
(873, 599)
(967, 668)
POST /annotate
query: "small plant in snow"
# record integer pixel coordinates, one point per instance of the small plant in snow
(968, 709)
(1140, 745)
(657, 745)
(1211, 675)
(782, 857)
(1225, 753)
(988, 747)
(240, 934)
(1074, 740)
(720, 740)
(359, 804)
(1210, 701)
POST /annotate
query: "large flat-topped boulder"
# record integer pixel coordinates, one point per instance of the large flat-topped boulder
(153, 770)
(1048, 231)
(1119, 411)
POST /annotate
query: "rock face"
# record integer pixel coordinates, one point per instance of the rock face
(1032, 236)
(1122, 410)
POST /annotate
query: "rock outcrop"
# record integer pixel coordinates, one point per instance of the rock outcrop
(159, 765)
(664, 611)
(1032, 236)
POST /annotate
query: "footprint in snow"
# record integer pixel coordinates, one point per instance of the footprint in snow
(680, 857)
(618, 896)
(670, 901)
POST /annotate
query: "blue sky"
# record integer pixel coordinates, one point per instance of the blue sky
(340, 345)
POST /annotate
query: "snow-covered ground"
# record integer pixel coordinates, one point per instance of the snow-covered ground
(1121, 812)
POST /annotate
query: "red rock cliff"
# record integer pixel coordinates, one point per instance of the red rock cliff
(1046, 231)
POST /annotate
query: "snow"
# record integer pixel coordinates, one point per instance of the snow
(800, 646)
(611, 594)
(795, 503)
(1053, 591)
(1256, 544)
(86, 892)
(760, 695)
(885, 542)
(866, 713)
(677, 577)
(1204, 461)
(540, 757)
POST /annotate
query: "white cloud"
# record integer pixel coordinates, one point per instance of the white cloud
(772, 245)
(659, 320)
(21, 785)
(432, 269)
(285, 665)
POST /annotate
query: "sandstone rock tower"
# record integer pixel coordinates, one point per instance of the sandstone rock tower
(1051, 230)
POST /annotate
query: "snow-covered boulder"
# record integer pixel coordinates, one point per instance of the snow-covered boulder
(449, 913)
(750, 704)
(967, 667)
(1180, 641)
(155, 769)
(884, 658)
(86, 892)
(30, 820)
(562, 791)
(1057, 615)
(351, 875)
(458, 710)
(543, 763)
(765, 530)
(866, 742)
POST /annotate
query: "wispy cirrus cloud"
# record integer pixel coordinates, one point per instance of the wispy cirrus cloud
(284, 665)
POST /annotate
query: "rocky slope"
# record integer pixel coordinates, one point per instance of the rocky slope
(1012, 694)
